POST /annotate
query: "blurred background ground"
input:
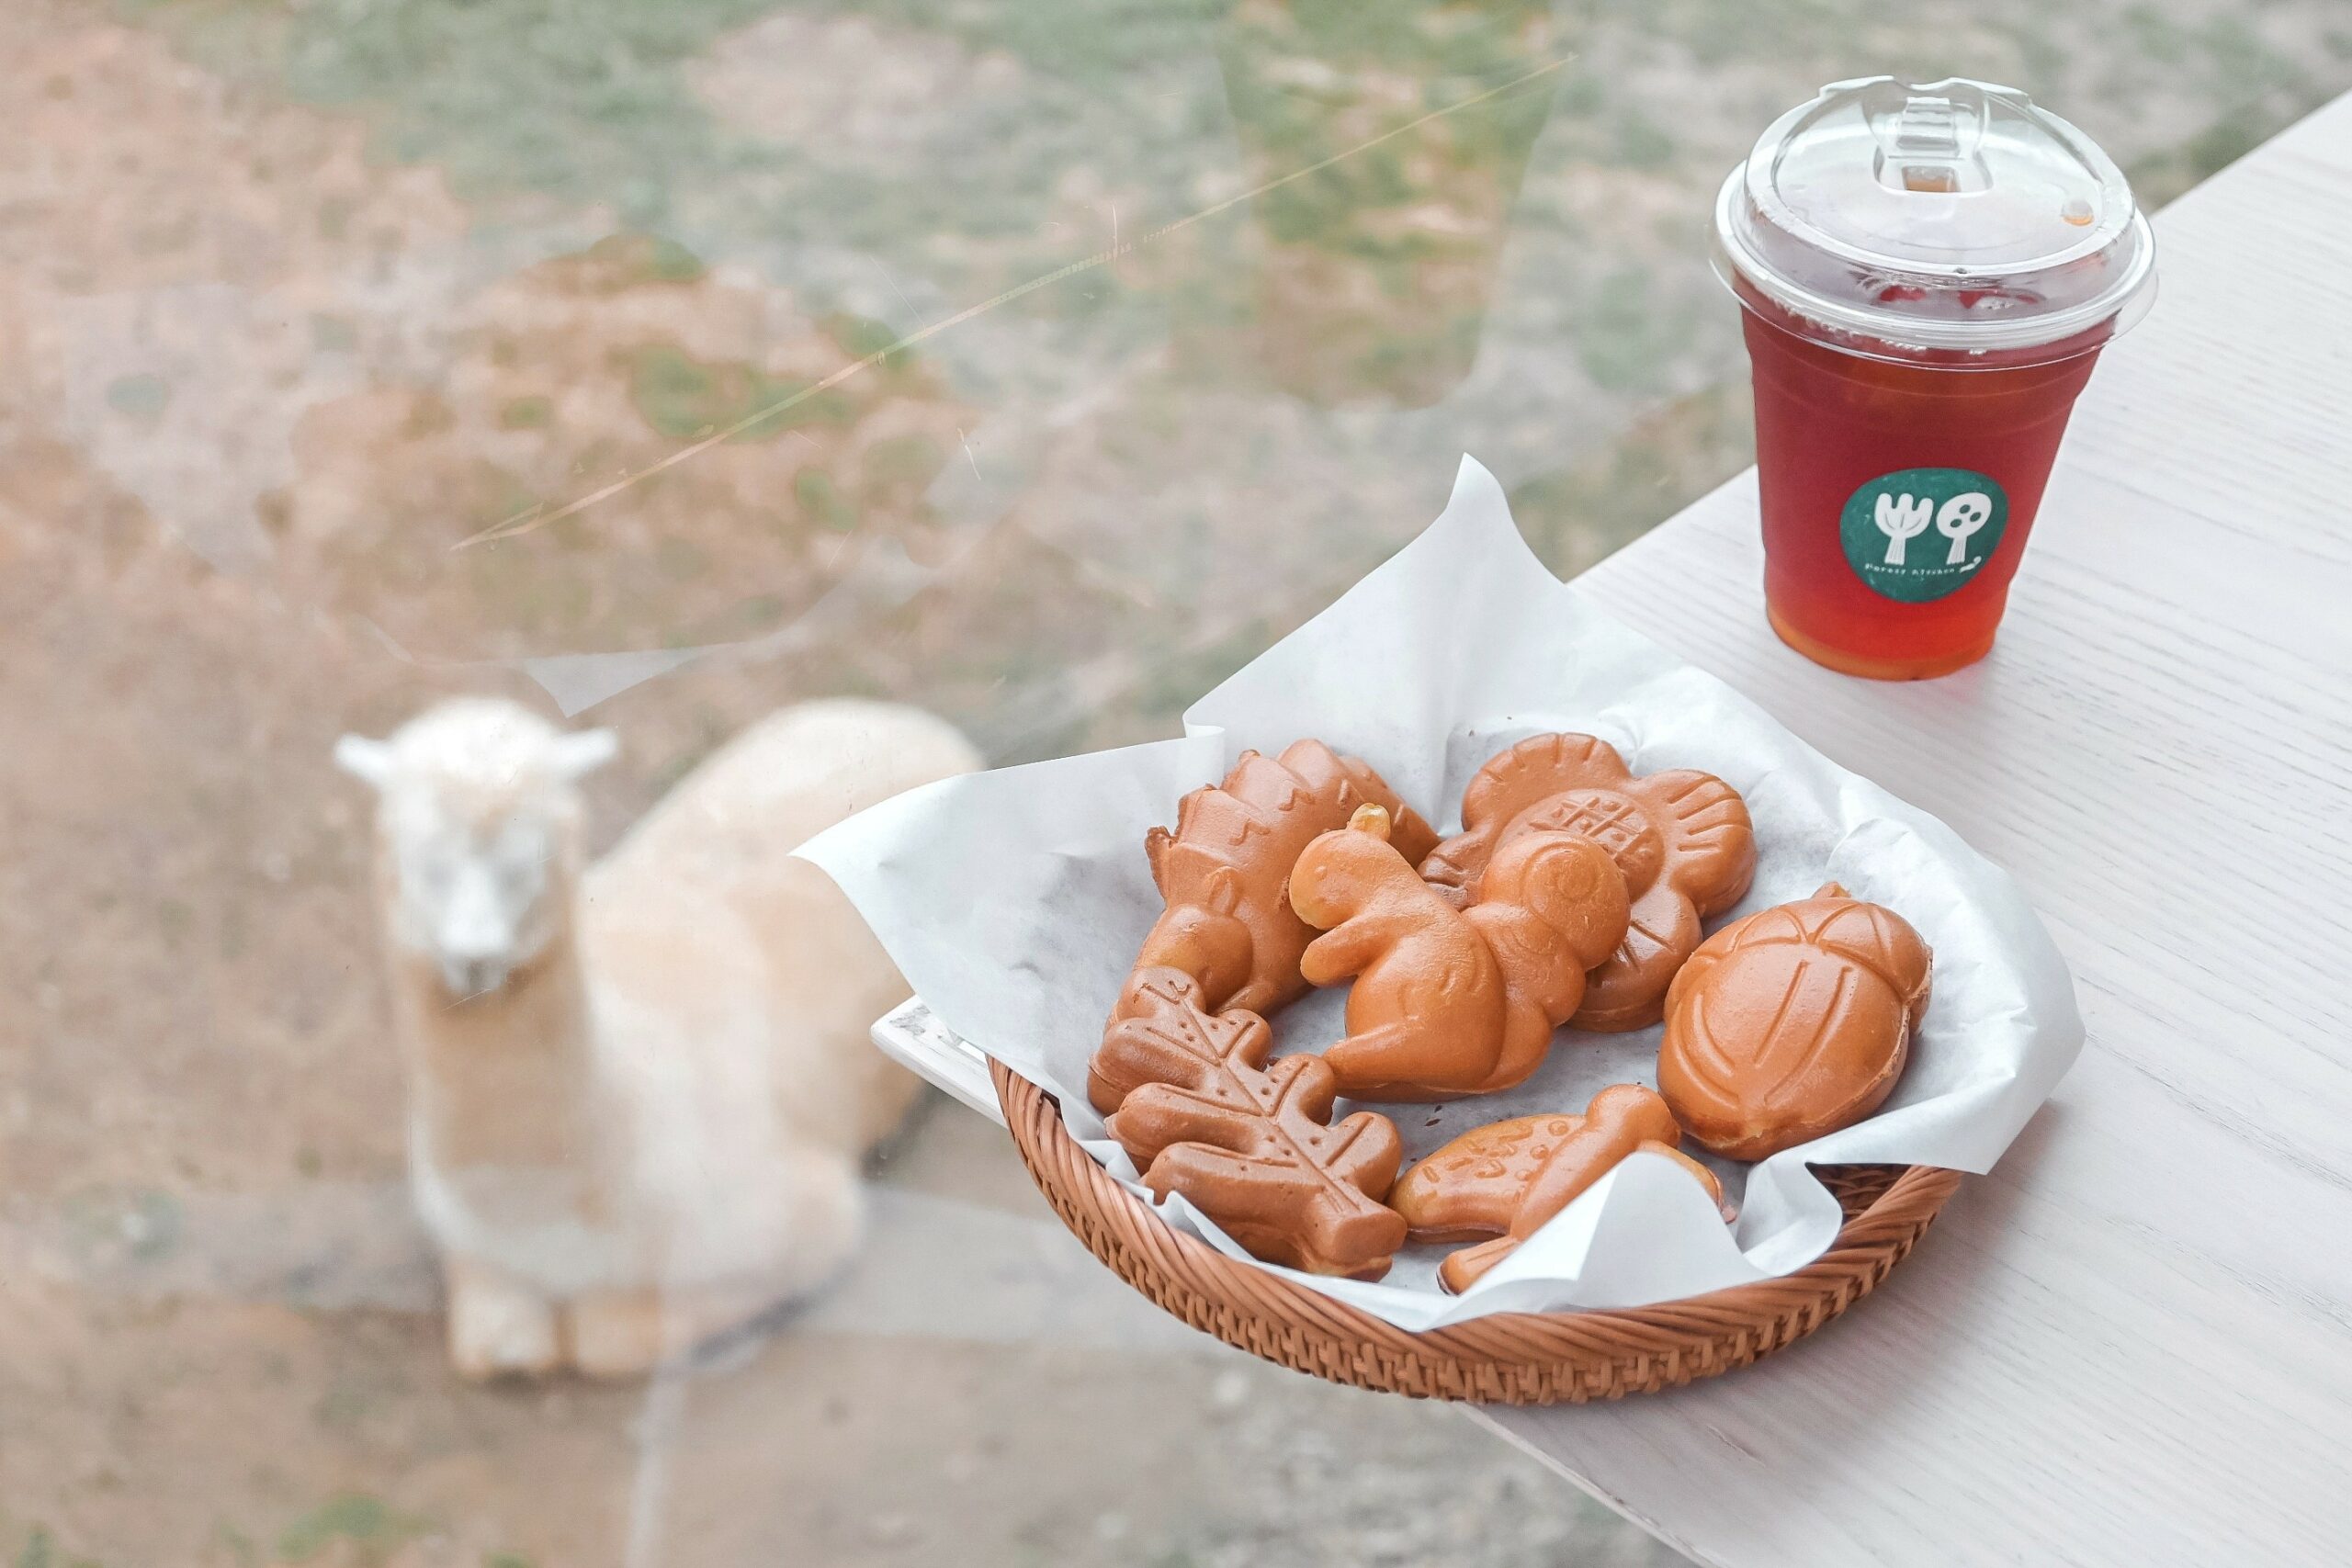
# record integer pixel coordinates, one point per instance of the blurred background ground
(296, 297)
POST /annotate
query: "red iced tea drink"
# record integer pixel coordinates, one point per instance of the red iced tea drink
(1928, 593)
(1927, 275)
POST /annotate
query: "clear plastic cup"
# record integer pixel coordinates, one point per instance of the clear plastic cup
(1929, 274)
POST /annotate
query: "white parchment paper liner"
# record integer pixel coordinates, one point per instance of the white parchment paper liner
(1014, 901)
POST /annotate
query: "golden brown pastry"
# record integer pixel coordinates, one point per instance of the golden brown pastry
(1681, 839)
(1791, 1023)
(1506, 1179)
(1224, 869)
(1188, 1094)
(1447, 1001)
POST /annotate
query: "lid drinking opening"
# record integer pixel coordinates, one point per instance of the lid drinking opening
(1950, 215)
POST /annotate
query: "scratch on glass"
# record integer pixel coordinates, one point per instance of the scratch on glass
(892, 279)
(532, 519)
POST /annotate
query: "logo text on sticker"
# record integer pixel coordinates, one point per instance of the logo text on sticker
(1918, 533)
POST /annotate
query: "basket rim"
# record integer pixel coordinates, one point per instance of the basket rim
(1516, 1357)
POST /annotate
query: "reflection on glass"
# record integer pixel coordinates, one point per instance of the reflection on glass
(1376, 270)
(435, 511)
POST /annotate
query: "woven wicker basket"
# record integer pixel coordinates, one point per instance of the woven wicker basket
(1505, 1358)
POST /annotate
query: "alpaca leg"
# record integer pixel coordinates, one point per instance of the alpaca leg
(626, 1334)
(827, 1221)
(497, 1324)
(619, 1334)
(708, 1311)
(885, 1099)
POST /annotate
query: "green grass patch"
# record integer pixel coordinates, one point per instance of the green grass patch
(373, 1527)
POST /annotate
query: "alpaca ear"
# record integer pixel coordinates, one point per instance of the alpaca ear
(370, 762)
(583, 751)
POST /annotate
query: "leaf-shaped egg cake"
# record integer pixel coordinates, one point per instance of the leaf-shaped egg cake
(1682, 839)
(1791, 1023)
(1189, 1095)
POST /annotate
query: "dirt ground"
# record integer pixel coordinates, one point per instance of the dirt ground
(298, 296)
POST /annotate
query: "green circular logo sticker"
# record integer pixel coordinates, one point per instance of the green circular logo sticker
(1918, 533)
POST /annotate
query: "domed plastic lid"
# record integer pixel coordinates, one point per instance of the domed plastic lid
(1951, 216)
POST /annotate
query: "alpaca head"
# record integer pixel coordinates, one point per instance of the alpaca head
(478, 821)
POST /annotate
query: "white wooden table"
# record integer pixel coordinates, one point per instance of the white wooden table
(2132, 1343)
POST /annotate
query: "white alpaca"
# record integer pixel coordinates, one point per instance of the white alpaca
(639, 1092)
